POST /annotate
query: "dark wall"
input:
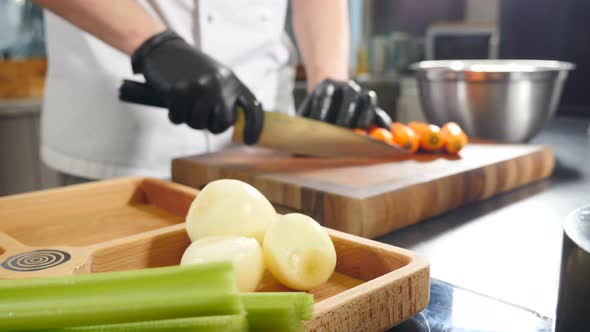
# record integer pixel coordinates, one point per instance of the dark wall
(555, 30)
(414, 16)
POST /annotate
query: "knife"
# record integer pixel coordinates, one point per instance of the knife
(283, 132)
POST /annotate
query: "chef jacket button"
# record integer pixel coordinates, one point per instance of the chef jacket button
(264, 16)
(211, 16)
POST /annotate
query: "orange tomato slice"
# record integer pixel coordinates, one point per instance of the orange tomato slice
(371, 128)
(405, 137)
(428, 135)
(360, 131)
(454, 138)
(381, 134)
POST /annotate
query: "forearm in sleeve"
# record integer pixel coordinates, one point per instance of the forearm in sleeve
(123, 24)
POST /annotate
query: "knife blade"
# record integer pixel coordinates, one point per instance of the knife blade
(292, 134)
(315, 138)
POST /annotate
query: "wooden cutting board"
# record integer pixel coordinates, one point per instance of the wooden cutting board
(372, 197)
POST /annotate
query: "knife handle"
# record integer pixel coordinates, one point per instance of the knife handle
(141, 93)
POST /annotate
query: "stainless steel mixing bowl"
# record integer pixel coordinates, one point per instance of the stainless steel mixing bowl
(503, 100)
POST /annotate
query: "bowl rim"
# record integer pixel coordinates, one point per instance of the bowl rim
(493, 66)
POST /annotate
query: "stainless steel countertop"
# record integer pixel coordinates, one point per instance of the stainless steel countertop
(509, 246)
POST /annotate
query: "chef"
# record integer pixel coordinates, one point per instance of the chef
(201, 58)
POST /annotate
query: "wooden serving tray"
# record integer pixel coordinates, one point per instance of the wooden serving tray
(135, 223)
(373, 197)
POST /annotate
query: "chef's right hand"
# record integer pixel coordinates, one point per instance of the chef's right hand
(196, 89)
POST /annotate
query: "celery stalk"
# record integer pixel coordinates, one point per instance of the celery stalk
(118, 297)
(228, 323)
(265, 312)
(302, 302)
(274, 318)
(277, 311)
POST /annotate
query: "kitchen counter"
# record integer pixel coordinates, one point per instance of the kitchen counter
(509, 247)
(20, 107)
(453, 309)
(21, 169)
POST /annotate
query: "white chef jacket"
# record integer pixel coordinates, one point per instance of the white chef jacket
(86, 131)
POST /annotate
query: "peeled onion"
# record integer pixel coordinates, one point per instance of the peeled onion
(299, 252)
(244, 253)
(229, 207)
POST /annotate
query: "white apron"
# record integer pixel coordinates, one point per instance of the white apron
(87, 132)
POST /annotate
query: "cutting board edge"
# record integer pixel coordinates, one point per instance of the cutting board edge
(378, 229)
(544, 150)
(291, 196)
(201, 174)
(343, 212)
(209, 172)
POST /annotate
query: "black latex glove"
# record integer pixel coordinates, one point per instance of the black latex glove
(196, 89)
(344, 104)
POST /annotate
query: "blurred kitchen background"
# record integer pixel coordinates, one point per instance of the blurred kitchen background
(387, 36)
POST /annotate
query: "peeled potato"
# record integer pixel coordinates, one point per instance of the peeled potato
(229, 207)
(299, 252)
(244, 253)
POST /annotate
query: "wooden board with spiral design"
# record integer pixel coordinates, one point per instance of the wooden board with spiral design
(136, 223)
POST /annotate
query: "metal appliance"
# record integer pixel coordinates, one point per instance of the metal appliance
(573, 304)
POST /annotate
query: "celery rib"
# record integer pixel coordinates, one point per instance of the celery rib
(195, 298)
(118, 297)
(229, 323)
(277, 311)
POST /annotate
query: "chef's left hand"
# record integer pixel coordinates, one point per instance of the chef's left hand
(344, 104)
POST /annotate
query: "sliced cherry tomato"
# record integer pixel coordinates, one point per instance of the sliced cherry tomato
(405, 137)
(360, 131)
(382, 135)
(428, 135)
(453, 137)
